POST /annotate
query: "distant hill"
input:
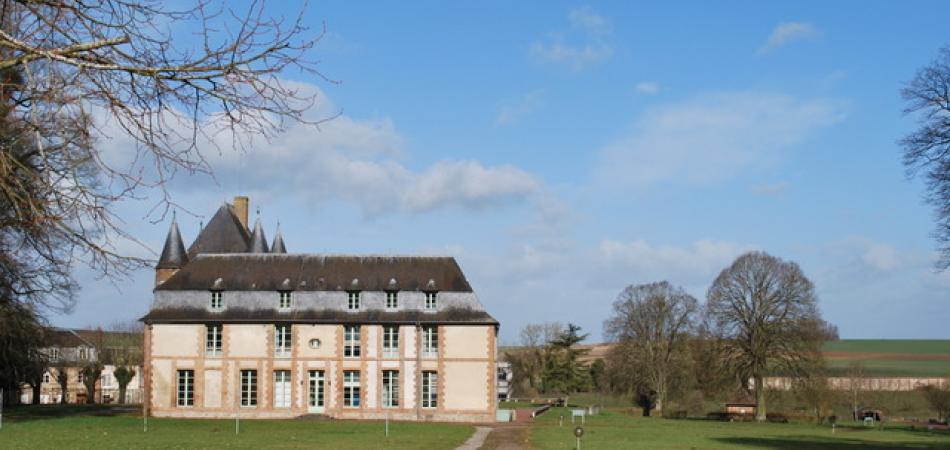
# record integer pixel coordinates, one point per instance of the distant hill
(890, 357)
(880, 357)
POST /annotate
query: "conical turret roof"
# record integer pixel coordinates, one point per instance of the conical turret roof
(173, 254)
(278, 246)
(258, 240)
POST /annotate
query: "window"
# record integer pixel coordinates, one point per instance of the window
(286, 300)
(351, 388)
(46, 378)
(431, 301)
(106, 380)
(430, 342)
(282, 389)
(430, 389)
(79, 378)
(351, 341)
(213, 340)
(217, 301)
(390, 342)
(282, 339)
(392, 299)
(83, 353)
(249, 388)
(54, 354)
(353, 300)
(186, 387)
(390, 388)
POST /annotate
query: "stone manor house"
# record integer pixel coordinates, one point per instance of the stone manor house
(238, 327)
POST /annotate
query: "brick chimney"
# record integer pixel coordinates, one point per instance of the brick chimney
(241, 204)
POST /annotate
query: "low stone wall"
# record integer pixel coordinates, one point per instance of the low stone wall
(865, 384)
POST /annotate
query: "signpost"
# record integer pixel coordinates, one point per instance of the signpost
(578, 432)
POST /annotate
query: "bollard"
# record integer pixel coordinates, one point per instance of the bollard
(387, 425)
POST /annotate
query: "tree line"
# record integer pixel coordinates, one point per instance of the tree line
(760, 318)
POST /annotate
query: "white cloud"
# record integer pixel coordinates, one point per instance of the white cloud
(647, 87)
(354, 160)
(693, 266)
(711, 137)
(587, 19)
(514, 112)
(789, 32)
(583, 45)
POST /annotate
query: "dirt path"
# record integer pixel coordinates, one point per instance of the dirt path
(507, 437)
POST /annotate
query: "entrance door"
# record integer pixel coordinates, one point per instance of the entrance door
(316, 403)
(282, 389)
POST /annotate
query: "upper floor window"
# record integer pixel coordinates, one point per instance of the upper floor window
(432, 300)
(430, 341)
(353, 300)
(213, 340)
(83, 353)
(286, 300)
(392, 299)
(54, 354)
(351, 341)
(282, 339)
(217, 301)
(390, 341)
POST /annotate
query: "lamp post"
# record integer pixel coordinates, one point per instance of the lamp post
(578, 432)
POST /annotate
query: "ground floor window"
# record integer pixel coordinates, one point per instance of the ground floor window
(390, 388)
(186, 387)
(351, 388)
(248, 388)
(430, 395)
(282, 389)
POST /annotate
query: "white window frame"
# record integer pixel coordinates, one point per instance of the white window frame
(351, 389)
(283, 340)
(430, 389)
(282, 399)
(106, 380)
(390, 341)
(248, 388)
(353, 300)
(430, 341)
(217, 300)
(351, 341)
(392, 300)
(46, 377)
(214, 335)
(431, 300)
(53, 354)
(79, 377)
(185, 388)
(390, 390)
(285, 300)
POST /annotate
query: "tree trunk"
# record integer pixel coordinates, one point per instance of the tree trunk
(759, 399)
(122, 387)
(36, 393)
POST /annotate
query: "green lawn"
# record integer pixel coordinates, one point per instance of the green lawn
(617, 430)
(126, 432)
(914, 346)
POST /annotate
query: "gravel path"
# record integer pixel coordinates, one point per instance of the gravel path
(477, 439)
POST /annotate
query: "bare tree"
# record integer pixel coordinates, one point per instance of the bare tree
(927, 149)
(652, 324)
(857, 384)
(939, 398)
(75, 72)
(764, 312)
(528, 359)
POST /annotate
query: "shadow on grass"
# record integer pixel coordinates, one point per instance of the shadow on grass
(815, 443)
(24, 413)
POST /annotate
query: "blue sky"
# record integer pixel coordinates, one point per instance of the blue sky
(564, 150)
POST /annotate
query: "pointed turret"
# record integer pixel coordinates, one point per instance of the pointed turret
(173, 255)
(258, 241)
(278, 246)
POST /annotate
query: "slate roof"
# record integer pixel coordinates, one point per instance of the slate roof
(258, 240)
(173, 254)
(278, 246)
(467, 316)
(224, 233)
(64, 338)
(312, 272)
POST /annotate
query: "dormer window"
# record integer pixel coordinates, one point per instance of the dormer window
(286, 300)
(392, 299)
(217, 301)
(353, 300)
(431, 301)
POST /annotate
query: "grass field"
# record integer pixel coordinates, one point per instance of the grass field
(126, 432)
(890, 357)
(614, 429)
